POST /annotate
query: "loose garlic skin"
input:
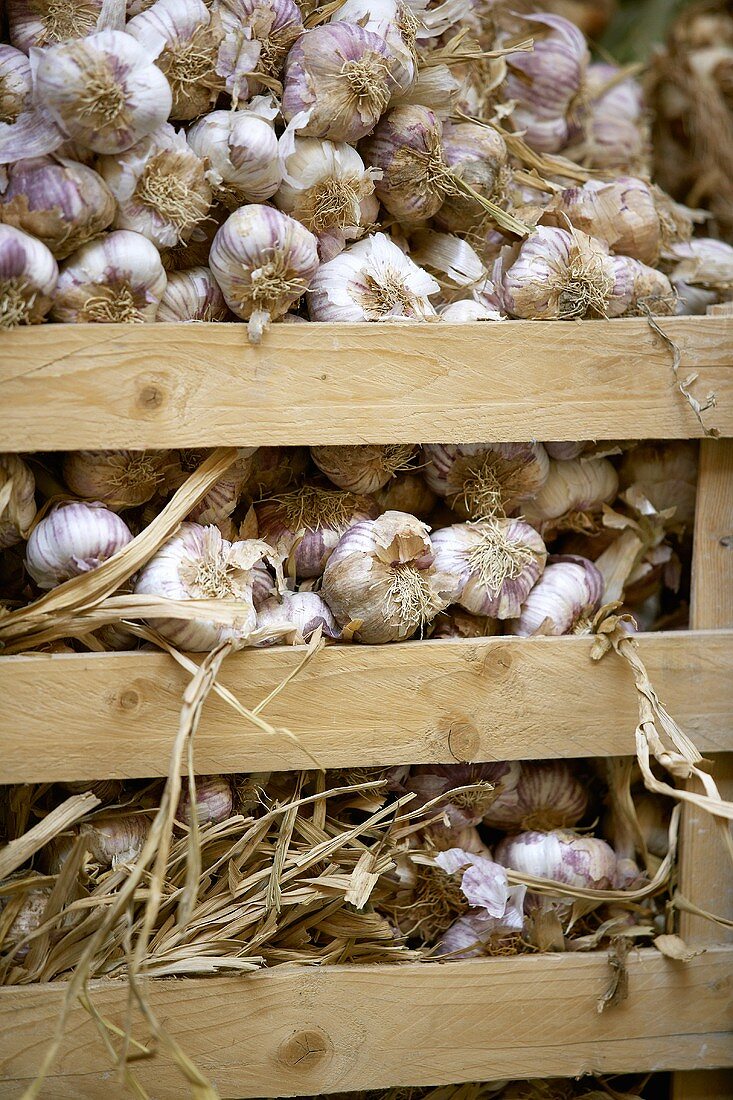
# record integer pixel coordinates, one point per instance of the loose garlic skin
(563, 601)
(622, 213)
(104, 91)
(257, 37)
(192, 295)
(118, 278)
(74, 537)
(363, 469)
(575, 489)
(28, 278)
(297, 615)
(547, 796)
(17, 500)
(241, 150)
(666, 473)
(118, 479)
(479, 480)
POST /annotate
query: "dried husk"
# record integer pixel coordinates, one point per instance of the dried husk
(17, 500)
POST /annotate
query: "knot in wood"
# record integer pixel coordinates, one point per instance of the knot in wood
(304, 1050)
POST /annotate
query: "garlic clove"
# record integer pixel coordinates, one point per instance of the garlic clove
(115, 839)
(74, 537)
(117, 278)
(192, 295)
(28, 278)
(17, 500)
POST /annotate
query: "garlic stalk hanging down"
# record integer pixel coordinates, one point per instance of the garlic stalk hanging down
(454, 622)
(395, 22)
(497, 909)
(406, 492)
(192, 295)
(327, 187)
(116, 278)
(381, 575)
(623, 213)
(214, 801)
(307, 524)
(118, 479)
(563, 856)
(28, 277)
(257, 37)
(25, 128)
(462, 808)
(104, 91)
(366, 468)
(338, 82)
(372, 280)
(74, 537)
(614, 133)
(478, 155)
(574, 493)
(563, 601)
(264, 262)
(242, 152)
(45, 22)
(302, 612)
(17, 499)
(191, 36)
(62, 204)
(666, 474)
(160, 186)
(479, 480)
(548, 795)
(494, 564)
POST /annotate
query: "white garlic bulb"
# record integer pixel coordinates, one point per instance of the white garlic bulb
(28, 277)
(467, 310)
(43, 22)
(160, 186)
(622, 213)
(372, 280)
(241, 151)
(494, 564)
(295, 617)
(118, 277)
(257, 37)
(264, 262)
(197, 563)
(479, 480)
(560, 855)
(104, 91)
(192, 295)
(17, 499)
(381, 576)
(214, 800)
(548, 795)
(25, 129)
(563, 601)
(575, 489)
(74, 537)
(363, 469)
(118, 479)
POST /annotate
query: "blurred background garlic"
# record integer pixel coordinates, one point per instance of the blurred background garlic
(666, 474)
(613, 131)
(241, 151)
(192, 295)
(479, 480)
(73, 538)
(119, 479)
(563, 601)
(28, 277)
(548, 795)
(363, 469)
(17, 499)
(117, 278)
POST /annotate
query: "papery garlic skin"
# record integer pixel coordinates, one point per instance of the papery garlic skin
(64, 205)
(381, 574)
(28, 277)
(118, 479)
(197, 563)
(29, 918)
(214, 801)
(160, 186)
(563, 856)
(363, 469)
(575, 489)
(454, 622)
(563, 601)
(478, 155)
(192, 295)
(257, 37)
(497, 909)
(704, 262)
(302, 612)
(651, 290)
(104, 91)
(74, 537)
(548, 795)
(241, 150)
(407, 147)
(622, 213)
(491, 781)
(43, 22)
(339, 79)
(666, 474)
(406, 492)
(372, 280)
(17, 497)
(479, 480)
(118, 278)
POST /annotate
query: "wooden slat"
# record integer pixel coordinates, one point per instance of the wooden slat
(318, 1030)
(97, 386)
(115, 714)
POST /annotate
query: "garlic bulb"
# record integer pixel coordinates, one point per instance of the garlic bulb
(104, 91)
(28, 919)
(666, 474)
(372, 280)
(327, 188)
(393, 21)
(492, 781)
(241, 150)
(704, 262)
(302, 612)
(454, 622)
(192, 295)
(191, 35)
(257, 37)
(363, 469)
(478, 155)
(563, 601)
(160, 186)
(308, 523)
(575, 489)
(562, 451)
(115, 839)
(45, 22)
(622, 213)
(467, 310)
(479, 480)
(263, 261)
(497, 909)
(469, 935)
(493, 564)
(381, 575)
(407, 147)
(118, 479)
(28, 276)
(197, 563)
(547, 796)
(614, 132)
(651, 290)
(560, 855)
(64, 205)
(116, 278)
(214, 800)
(222, 499)
(17, 499)
(275, 470)
(338, 82)
(74, 537)
(406, 492)
(25, 129)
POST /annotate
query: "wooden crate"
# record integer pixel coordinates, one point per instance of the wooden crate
(301, 1031)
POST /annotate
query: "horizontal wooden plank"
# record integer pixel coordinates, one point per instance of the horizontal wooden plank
(316, 1030)
(70, 717)
(92, 386)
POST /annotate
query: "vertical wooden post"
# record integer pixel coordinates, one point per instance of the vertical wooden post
(706, 876)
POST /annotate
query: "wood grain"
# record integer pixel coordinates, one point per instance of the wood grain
(97, 386)
(70, 717)
(318, 1030)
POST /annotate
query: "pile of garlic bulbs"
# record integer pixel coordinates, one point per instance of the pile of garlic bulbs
(370, 543)
(372, 160)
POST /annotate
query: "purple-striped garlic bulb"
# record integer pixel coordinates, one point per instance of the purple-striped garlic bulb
(482, 480)
(396, 23)
(562, 451)
(25, 128)
(575, 491)
(366, 468)
(478, 155)
(257, 37)
(241, 151)
(295, 617)
(115, 839)
(563, 601)
(548, 795)
(44, 23)
(28, 277)
(198, 564)
(650, 290)
(454, 622)
(220, 502)
(622, 212)
(214, 801)
(560, 855)
(62, 205)
(497, 909)
(407, 146)
(117, 278)
(381, 574)
(494, 564)
(160, 186)
(192, 295)
(614, 133)
(117, 479)
(338, 82)
(406, 492)
(17, 500)
(462, 808)
(74, 537)
(307, 524)
(275, 470)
